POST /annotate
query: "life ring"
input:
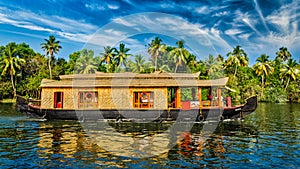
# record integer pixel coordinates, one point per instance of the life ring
(89, 95)
(81, 118)
(144, 97)
(200, 118)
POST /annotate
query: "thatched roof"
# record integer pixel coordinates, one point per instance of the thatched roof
(132, 80)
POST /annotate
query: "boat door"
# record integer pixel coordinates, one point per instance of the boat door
(173, 97)
(58, 99)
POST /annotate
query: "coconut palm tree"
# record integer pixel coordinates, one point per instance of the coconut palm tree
(283, 54)
(213, 66)
(263, 68)
(236, 58)
(51, 46)
(290, 71)
(86, 63)
(11, 62)
(180, 54)
(138, 65)
(155, 49)
(122, 55)
(108, 57)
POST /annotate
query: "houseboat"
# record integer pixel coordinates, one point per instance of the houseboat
(155, 97)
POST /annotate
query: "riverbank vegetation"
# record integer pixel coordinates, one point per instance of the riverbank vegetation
(277, 80)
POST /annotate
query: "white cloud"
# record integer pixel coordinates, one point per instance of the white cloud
(245, 19)
(199, 39)
(76, 30)
(95, 7)
(285, 17)
(245, 36)
(257, 8)
(222, 13)
(110, 6)
(202, 10)
(233, 31)
(123, 22)
(101, 7)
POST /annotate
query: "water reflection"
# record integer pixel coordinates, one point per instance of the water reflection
(267, 138)
(195, 145)
(67, 140)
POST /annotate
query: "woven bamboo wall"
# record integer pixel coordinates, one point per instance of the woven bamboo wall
(108, 98)
(48, 98)
(121, 98)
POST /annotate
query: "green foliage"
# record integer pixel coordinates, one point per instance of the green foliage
(6, 90)
(275, 80)
(276, 95)
(186, 94)
(86, 63)
(51, 47)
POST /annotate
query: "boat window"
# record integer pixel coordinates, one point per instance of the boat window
(88, 99)
(143, 99)
(58, 99)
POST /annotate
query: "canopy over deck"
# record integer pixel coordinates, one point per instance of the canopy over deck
(156, 79)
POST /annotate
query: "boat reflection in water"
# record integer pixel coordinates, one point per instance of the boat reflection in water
(124, 142)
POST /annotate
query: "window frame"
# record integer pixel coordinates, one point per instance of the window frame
(88, 99)
(143, 99)
(56, 102)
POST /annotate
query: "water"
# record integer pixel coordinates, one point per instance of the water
(268, 138)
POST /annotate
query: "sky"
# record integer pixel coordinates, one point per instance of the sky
(206, 26)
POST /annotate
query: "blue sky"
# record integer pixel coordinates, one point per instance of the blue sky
(206, 26)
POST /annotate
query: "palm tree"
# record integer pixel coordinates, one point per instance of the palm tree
(263, 68)
(51, 46)
(108, 57)
(138, 65)
(180, 54)
(283, 54)
(213, 66)
(86, 63)
(155, 49)
(122, 55)
(290, 71)
(236, 58)
(11, 62)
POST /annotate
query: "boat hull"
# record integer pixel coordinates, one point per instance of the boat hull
(200, 114)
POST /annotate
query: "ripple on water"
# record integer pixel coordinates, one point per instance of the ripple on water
(258, 142)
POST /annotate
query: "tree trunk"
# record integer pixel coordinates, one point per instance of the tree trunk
(49, 64)
(176, 68)
(287, 84)
(12, 83)
(155, 63)
(262, 86)
(235, 70)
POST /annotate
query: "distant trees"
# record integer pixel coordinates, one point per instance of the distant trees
(108, 57)
(139, 64)
(86, 63)
(122, 55)
(290, 71)
(283, 54)
(180, 54)
(156, 49)
(277, 80)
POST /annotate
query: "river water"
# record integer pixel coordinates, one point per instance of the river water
(268, 138)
